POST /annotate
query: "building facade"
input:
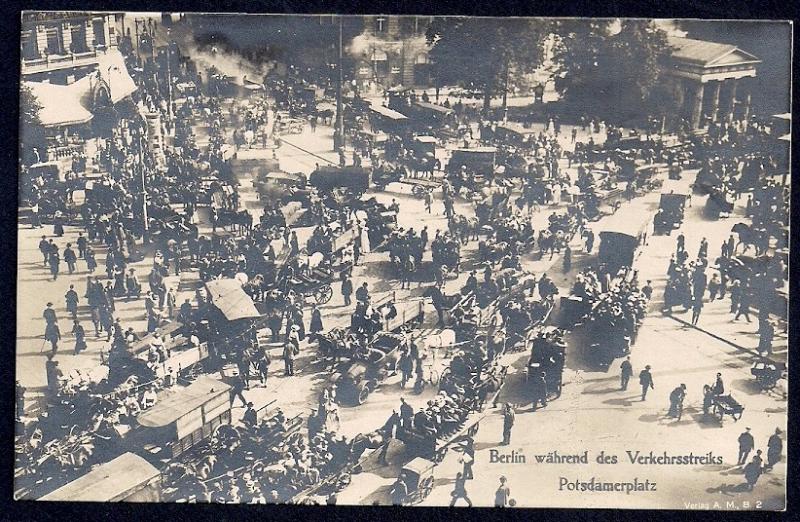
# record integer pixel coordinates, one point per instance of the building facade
(62, 47)
(392, 51)
(713, 78)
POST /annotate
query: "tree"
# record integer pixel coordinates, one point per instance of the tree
(32, 135)
(483, 53)
(615, 70)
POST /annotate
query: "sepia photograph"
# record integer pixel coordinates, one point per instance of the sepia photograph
(403, 260)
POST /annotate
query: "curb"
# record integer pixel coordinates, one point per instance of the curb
(715, 336)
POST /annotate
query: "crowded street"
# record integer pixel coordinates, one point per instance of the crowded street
(250, 279)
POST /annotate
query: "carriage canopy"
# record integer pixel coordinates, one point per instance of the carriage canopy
(118, 480)
(229, 297)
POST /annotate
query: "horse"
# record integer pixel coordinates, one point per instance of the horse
(751, 236)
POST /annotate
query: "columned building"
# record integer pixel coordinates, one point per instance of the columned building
(713, 78)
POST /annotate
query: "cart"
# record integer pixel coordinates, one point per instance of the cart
(722, 405)
(767, 373)
(418, 478)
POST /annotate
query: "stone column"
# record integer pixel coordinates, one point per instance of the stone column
(697, 106)
(89, 35)
(66, 37)
(746, 114)
(41, 40)
(715, 102)
(732, 105)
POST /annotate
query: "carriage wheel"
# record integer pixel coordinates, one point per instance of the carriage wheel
(323, 294)
(363, 393)
(418, 190)
(718, 413)
(426, 487)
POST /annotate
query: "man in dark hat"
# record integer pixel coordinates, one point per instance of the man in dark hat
(250, 418)
(746, 445)
(646, 381)
(676, 401)
(626, 372)
(774, 449)
(508, 423)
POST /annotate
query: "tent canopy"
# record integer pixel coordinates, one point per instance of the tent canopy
(227, 295)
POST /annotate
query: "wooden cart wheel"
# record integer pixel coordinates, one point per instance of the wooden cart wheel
(427, 487)
(363, 393)
(418, 191)
(323, 294)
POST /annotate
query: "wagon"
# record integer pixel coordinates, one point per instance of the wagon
(722, 405)
(418, 478)
(767, 373)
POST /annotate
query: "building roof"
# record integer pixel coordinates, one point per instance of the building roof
(176, 403)
(109, 482)
(705, 53)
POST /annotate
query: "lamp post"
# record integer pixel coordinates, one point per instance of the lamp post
(339, 134)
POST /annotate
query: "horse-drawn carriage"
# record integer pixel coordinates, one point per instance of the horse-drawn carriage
(417, 479)
(548, 351)
(767, 373)
(471, 168)
(670, 212)
(719, 204)
(328, 178)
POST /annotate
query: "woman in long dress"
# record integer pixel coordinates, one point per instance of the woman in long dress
(365, 248)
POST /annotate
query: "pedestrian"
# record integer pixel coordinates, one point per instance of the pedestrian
(250, 417)
(676, 401)
(697, 307)
(362, 294)
(71, 298)
(713, 287)
(80, 336)
(52, 334)
(347, 289)
(19, 395)
(766, 334)
(468, 458)
(91, 262)
(459, 491)
(502, 494)
(237, 389)
(70, 258)
(263, 367)
(746, 445)
(406, 367)
(567, 258)
(44, 248)
(356, 252)
(680, 243)
(508, 423)
(429, 201)
(744, 306)
(55, 261)
(589, 241)
(539, 388)
(774, 450)
(81, 245)
(626, 372)
(753, 471)
(647, 290)
(646, 381)
(289, 353)
(171, 302)
(736, 293)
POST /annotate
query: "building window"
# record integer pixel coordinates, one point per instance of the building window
(53, 41)
(30, 49)
(99, 32)
(380, 63)
(380, 24)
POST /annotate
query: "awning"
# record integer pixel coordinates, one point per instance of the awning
(227, 295)
(114, 73)
(62, 105)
